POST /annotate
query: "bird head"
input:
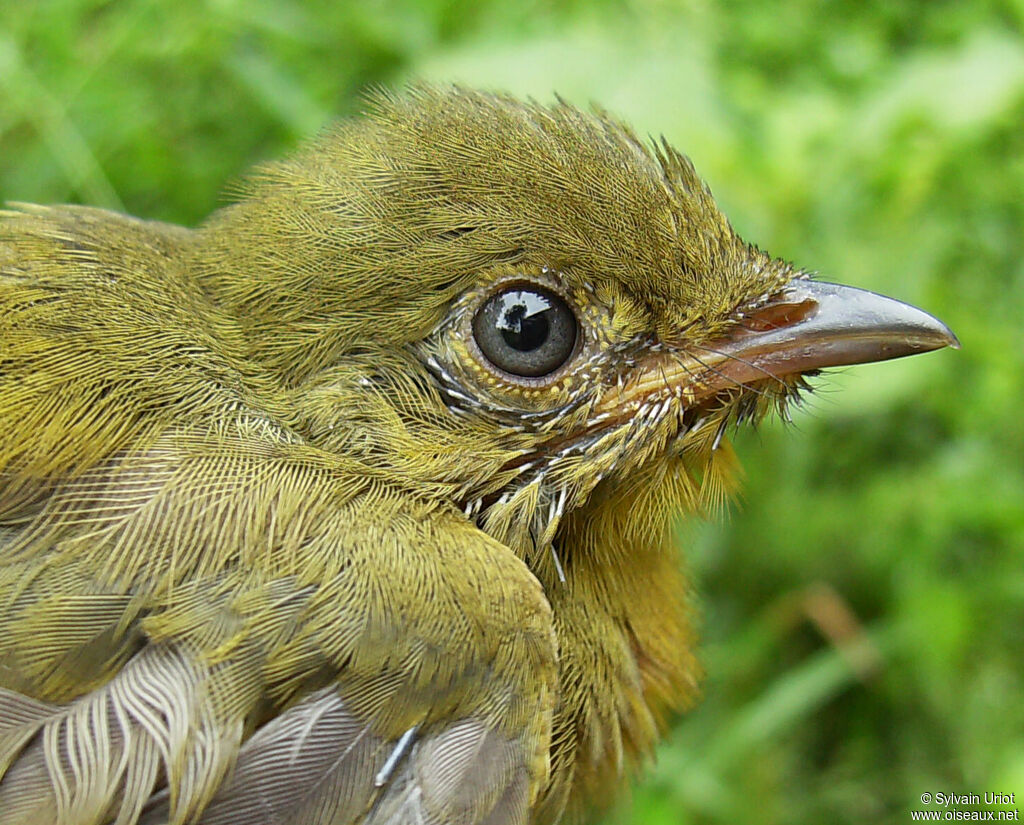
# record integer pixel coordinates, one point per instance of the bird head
(515, 308)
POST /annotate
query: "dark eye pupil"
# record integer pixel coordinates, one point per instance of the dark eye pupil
(526, 331)
(524, 327)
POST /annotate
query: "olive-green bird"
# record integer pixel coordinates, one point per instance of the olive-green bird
(353, 505)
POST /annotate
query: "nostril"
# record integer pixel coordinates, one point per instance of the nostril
(779, 315)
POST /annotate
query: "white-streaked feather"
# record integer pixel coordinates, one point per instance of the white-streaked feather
(99, 758)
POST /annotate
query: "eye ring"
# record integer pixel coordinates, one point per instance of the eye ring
(526, 331)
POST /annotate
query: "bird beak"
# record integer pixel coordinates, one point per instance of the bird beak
(808, 325)
(812, 324)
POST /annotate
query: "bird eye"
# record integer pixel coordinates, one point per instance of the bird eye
(527, 331)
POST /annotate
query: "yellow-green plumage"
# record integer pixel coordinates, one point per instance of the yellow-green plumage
(264, 510)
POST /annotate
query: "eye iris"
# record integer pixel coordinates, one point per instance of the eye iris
(526, 331)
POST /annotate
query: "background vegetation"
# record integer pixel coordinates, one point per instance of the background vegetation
(864, 604)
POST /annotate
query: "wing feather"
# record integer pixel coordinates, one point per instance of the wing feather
(100, 758)
(317, 764)
(464, 774)
(313, 764)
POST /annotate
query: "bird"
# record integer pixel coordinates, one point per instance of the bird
(354, 504)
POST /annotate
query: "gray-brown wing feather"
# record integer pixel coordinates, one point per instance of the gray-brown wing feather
(313, 764)
(317, 764)
(465, 774)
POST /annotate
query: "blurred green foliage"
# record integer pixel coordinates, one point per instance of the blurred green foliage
(863, 606)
